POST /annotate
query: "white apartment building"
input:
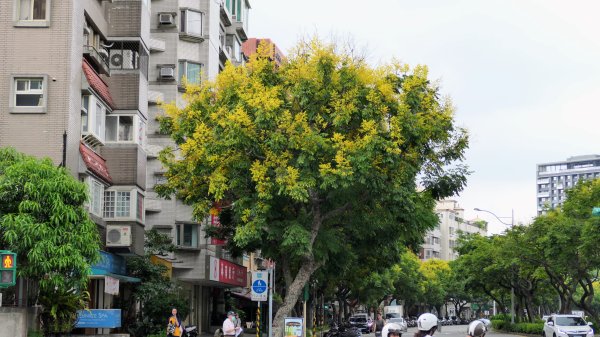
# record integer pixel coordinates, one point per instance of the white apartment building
(441, 241)
(553, 179)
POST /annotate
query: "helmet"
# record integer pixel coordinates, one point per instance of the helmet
(391, 328)
(487, 323)
(426, 322)
(476, 329)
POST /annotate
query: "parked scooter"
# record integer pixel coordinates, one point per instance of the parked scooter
(190, 331)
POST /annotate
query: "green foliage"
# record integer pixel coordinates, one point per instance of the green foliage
(156, 294)
(60, 309)
(43, 220)
(502, 323)
(318, 157)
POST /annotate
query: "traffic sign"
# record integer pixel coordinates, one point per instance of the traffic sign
(259, 287)
(8, 268)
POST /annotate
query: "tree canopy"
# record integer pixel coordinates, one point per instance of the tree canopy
(321, 154)
(43, 220)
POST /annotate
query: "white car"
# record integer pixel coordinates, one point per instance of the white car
(567, 326)
(400, 321)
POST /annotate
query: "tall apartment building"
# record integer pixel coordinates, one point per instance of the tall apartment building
(73, 87)
(441, 241)
(553, 179)
(80, 81)
(191, 41)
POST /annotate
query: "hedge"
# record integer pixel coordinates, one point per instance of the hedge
(527, 328)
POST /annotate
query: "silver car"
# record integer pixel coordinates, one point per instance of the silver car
(400, 321)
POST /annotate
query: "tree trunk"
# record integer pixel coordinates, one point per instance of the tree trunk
(293, 294)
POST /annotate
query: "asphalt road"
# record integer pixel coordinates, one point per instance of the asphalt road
(450, 331)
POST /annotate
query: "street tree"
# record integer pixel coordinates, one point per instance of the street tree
(315, 155)
(433, 291)
(43, 219)
(564, 243)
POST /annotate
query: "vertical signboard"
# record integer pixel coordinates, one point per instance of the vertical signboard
(259, 289)
(293, 327)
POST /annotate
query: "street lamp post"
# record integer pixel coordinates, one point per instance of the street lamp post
(512, 288)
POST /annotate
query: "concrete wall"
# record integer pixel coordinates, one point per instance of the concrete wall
(13, 322)
(37, 51)
(126, 164)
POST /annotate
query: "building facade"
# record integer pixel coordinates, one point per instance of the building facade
(440, 242)
(251, 46)
(553, 179)
(191, 41)
(73, 87)
(81, 82)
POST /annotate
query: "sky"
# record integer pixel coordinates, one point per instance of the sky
(524, 76)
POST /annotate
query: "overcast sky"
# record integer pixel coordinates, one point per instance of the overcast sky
(523, 75)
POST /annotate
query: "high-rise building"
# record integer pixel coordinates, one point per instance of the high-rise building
(73, 87)
(553, 179)
(80, 82)
(191, 41)
(441, 241)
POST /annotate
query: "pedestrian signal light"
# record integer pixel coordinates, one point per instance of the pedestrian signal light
(8, 269)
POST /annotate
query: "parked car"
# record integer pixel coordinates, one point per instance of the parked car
(360, 322)
(401, 322)
(567, 326)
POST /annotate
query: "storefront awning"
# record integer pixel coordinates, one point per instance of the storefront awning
(99, 274)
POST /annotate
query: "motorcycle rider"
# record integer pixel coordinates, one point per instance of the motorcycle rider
(391, 330)
(477, 328)
(427, 325)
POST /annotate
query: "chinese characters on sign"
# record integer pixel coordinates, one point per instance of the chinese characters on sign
(227, 272)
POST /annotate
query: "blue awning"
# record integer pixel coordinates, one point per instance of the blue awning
(100, 273)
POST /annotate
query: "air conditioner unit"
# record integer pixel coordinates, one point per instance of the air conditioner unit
(165, 19)
(167, 73)
(118, 236)
(123, 59)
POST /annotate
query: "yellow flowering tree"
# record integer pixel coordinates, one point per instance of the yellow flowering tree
(316, 156)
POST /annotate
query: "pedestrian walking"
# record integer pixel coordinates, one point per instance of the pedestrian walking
(427, 324)
(229, 327)
(379, 323)
(174, 327)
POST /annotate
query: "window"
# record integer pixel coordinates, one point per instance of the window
(160, 179)
(32, 13)
(125, 128)
(451, 230)
(190, 71)
(93, 112)
(187, 235)
(96, 196)
(120, 203)
(29, 94)
(236, 47)
(191, 22)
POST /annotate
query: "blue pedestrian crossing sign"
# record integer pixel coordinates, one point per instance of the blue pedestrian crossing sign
(259, 287)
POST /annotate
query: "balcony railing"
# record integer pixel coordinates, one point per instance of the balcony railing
(98, 58)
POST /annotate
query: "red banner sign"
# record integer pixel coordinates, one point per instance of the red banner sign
(227, 272)
(214, 221)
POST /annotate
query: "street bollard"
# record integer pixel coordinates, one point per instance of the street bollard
(258, 321)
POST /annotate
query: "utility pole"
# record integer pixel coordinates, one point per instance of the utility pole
(271, 286)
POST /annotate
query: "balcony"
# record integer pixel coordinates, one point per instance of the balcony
(241, 27)
(126, 163)
(225, 53)
(98, 58)
(225, 14)
(153, 205)
(128, 18)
